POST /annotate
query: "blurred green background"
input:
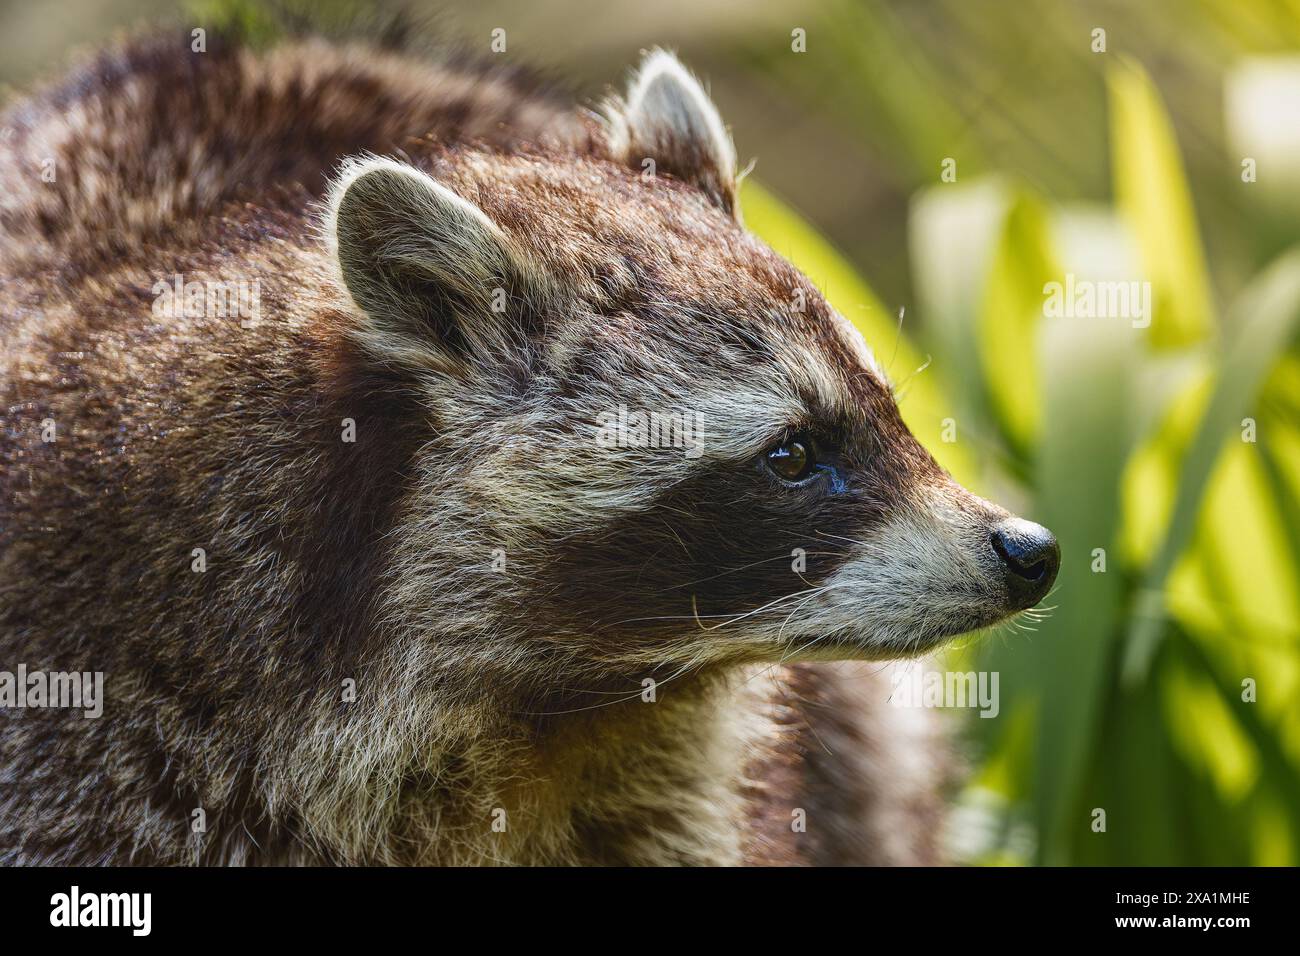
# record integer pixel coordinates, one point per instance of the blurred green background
(1164, 687)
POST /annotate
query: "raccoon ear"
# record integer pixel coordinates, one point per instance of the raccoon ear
(436, 278)
(669, 120)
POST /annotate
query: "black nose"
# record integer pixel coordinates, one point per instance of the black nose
(1032, 558)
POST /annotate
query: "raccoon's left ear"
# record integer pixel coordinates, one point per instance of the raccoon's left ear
(668, 120)
(440, 284)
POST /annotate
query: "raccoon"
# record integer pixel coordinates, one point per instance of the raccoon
(527, 510)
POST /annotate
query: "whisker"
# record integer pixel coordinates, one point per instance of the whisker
(900, 392)
(731, 618)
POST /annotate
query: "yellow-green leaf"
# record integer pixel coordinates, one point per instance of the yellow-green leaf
(1151, 192)
(1012, 308)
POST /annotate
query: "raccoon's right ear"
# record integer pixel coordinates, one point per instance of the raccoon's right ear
(440, 284)
(669, 121)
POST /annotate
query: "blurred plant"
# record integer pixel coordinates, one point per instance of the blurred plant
(1164, 687)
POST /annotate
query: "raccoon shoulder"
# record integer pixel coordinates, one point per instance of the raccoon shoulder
(152, 134)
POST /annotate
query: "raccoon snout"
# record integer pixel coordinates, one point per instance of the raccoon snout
(1031, 557)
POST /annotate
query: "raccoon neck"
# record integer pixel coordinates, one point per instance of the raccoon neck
(636, 782)
(644, 782)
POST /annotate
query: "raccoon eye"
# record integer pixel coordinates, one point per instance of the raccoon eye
(793, 460)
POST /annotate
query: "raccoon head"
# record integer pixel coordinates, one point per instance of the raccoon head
(655, 442)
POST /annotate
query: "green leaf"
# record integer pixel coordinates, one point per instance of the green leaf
(1089, 380)
(1266, 317)
(1151, 192)
(953, 231)
(1008, 326)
